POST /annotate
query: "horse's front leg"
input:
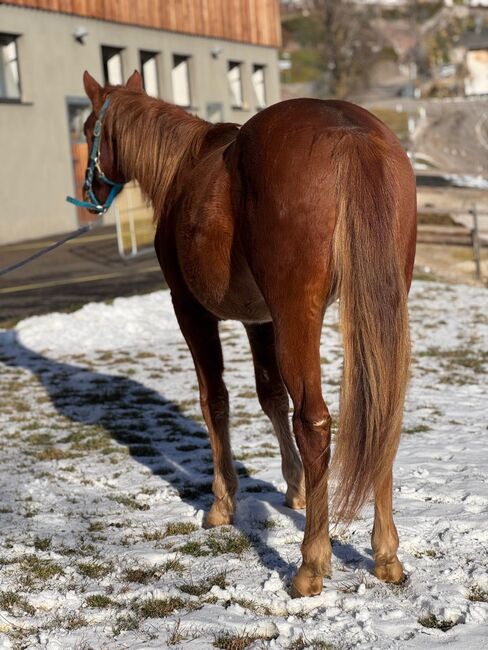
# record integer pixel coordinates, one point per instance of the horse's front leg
(200, 329)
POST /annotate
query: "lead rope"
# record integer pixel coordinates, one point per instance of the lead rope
(48, 249)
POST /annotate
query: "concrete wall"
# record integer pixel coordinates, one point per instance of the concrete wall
(36, 171)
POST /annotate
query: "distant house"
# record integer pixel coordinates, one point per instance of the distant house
(217, 59)
(475, 49)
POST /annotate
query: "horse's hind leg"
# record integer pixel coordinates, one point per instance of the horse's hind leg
(384, 539)
(200, 330)
(274, 402)
(298, 351)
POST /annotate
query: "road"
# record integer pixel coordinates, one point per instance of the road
(83, 270)
(451, 132)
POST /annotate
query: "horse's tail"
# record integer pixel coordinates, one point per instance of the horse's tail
(374, 320)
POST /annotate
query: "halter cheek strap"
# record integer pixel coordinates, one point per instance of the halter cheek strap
(94, 164)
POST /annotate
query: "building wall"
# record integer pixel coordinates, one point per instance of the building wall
(36, 170)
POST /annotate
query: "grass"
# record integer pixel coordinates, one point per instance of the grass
(301, 643)
(99, 600)
(36, 568)
(194, 548)
(94, 570)
(173, 565)
(257, 608)
(429, 552)
(144, 575)
(39, 439)
(159, 607)
(177, 635)
(141, 575)
(70, 622)
(204, 586)
(478, 595)
(130, 502)
(228, 641)
(256, 454)
(221, 543)
(54, 453)
(153, 535)
(180, 528)
(42, 543)
(420, 428)
(13, 603)
(217, 543)
(431, 621)
(454, 359)
(126, 623)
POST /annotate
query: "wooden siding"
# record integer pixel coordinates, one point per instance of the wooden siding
(248, 21)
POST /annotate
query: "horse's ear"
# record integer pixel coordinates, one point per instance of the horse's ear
(134, 82)
(92, 88)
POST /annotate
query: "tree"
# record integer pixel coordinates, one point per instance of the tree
(350, 43)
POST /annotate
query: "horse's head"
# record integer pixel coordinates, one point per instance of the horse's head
(104, 179)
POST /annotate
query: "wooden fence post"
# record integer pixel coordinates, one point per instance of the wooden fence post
(475, 236)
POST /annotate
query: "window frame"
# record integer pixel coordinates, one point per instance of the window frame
(187, 58)
(255, 68)
(116, 50)
(231, 65)
(149, 55)
(5, 99)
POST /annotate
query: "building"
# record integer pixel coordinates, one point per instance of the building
(216, 58)
(471, 55)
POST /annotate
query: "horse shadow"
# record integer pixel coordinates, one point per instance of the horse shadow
(159, 436)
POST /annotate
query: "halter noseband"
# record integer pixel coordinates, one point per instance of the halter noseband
(94, 164)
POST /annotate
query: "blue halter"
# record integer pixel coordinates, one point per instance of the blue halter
(94, 164)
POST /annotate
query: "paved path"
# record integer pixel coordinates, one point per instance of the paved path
(83, 270)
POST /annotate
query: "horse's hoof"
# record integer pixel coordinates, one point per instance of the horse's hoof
(306, 583)
(216, 518)
(389, 571)
(296, 502)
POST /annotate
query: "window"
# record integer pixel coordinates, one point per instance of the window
(180, 77)
(259, 85)
(112, 65)
(9, 68)
(234, 78)
(149, 70)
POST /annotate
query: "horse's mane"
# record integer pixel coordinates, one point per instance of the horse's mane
(155, 141)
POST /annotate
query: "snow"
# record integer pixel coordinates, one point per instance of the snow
(102, 448)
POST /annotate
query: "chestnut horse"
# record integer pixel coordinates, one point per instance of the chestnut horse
(267, 224)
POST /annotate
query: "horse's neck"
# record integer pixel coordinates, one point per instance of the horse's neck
(157, 142)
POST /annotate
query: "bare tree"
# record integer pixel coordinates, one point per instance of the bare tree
(350, 45)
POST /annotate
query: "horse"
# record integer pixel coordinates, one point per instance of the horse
(268, 223)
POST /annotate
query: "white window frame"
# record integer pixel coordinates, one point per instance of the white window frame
(150, 72)
(234, 79)
(10, 87)
(181, 80)
(113, 69)
(259, 85)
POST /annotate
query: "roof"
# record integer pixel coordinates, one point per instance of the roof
(248, 21)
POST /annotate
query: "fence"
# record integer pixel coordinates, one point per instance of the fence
(456, 235)
(134, 222)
